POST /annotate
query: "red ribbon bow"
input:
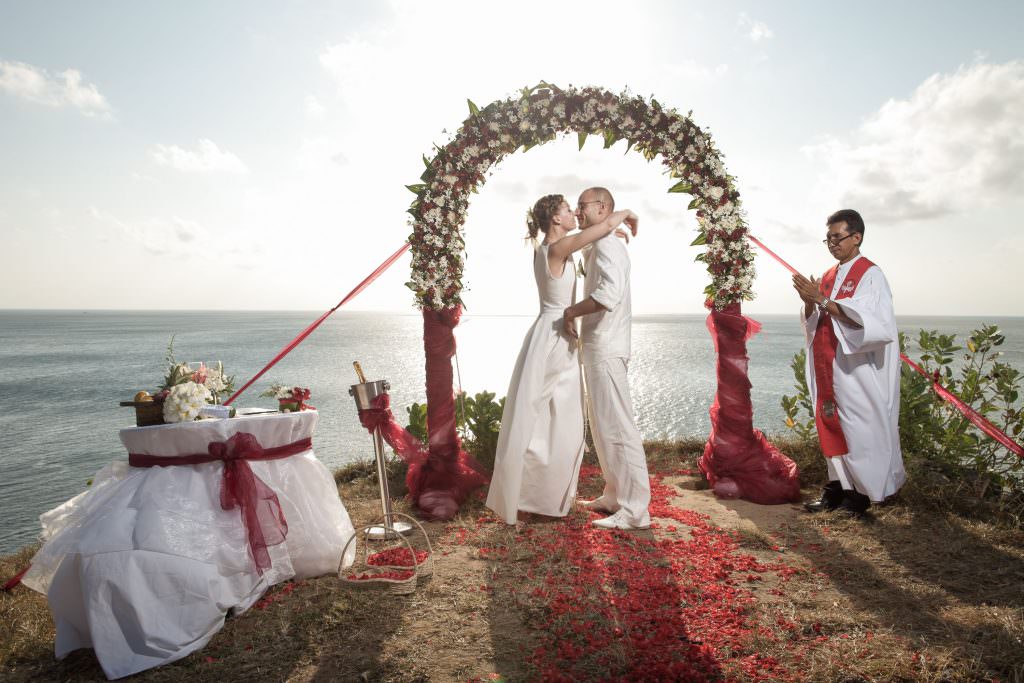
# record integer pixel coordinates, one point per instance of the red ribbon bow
(259, 506)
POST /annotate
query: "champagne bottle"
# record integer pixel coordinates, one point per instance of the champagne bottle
(359, 372)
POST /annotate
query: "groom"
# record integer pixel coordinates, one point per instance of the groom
(606, 319)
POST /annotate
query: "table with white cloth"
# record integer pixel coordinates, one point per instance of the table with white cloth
(144, 566)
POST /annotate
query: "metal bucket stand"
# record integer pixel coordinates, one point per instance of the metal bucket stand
(364, 394)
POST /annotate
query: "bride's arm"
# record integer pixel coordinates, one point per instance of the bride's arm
(567, 245)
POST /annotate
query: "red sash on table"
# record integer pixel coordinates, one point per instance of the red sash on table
(826, 412)
(264, 521)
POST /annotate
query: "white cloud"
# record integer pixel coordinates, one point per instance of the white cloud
(756, 30)
(173, 236)
(206, 158)
(314, 108)
(956, 143)
(691, 70)
(65, 89)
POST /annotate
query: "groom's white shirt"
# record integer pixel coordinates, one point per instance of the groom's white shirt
(605, 334)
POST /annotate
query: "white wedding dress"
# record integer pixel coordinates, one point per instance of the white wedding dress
(540, 446)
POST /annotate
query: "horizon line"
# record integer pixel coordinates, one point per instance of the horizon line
(416, 313)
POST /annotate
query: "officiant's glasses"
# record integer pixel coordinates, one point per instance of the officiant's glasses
(830, 240)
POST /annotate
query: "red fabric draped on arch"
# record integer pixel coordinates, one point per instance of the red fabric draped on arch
(449, 474)
(738, 461)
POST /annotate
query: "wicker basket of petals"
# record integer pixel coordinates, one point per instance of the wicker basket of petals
(361, 575)
(400, 557)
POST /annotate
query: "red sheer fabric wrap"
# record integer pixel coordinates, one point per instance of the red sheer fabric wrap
(408, 447)
(738, 460)
(449, 474)
(264, 521)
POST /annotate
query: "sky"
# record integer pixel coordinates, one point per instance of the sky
(254, 155)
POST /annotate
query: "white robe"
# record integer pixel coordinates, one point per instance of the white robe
(866, 378)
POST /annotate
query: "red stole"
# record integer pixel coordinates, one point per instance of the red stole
(826, 412)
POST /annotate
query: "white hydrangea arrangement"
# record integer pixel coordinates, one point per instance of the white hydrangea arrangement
(211, 376)
(541, 114)
(184, 401)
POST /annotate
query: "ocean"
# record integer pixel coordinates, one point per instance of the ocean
(62, 374)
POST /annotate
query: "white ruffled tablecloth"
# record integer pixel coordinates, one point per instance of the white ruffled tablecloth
(144, 565)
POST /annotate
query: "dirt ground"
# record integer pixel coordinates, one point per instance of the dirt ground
(902, 595)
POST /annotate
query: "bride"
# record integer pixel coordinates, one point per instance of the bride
(540, 446)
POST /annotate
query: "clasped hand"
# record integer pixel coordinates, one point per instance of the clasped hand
(809, 290)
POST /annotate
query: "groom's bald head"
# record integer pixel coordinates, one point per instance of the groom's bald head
(602, 194)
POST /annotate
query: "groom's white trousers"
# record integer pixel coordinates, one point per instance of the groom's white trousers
(619, 445)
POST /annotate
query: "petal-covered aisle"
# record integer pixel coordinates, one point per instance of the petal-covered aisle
(672, 603)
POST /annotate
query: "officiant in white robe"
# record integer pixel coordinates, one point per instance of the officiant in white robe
(853, 372)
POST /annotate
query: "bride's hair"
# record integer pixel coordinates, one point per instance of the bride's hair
(538, 219)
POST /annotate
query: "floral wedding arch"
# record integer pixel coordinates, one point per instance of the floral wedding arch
(738, 461)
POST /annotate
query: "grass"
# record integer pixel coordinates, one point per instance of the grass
(921, 592)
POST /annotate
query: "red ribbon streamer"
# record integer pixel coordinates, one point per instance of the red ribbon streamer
(259, 507)
(316, 323)
(15, 580)
(773, 254)
(970, 413)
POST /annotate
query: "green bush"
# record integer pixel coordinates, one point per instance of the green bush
(477, 422)
(990, 387)
(934, 435)
(793, 405)
(417, 421)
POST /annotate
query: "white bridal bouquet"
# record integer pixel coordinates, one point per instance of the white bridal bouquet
(184, 401)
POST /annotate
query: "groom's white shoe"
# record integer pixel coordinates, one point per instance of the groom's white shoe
(599, 505)
(619, 521)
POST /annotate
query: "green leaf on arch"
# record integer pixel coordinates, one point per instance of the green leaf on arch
(581, 138)
(416, 189)
(681, 186)
(610, 138)
(694, 203)
(473, 109)
(701, 239)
